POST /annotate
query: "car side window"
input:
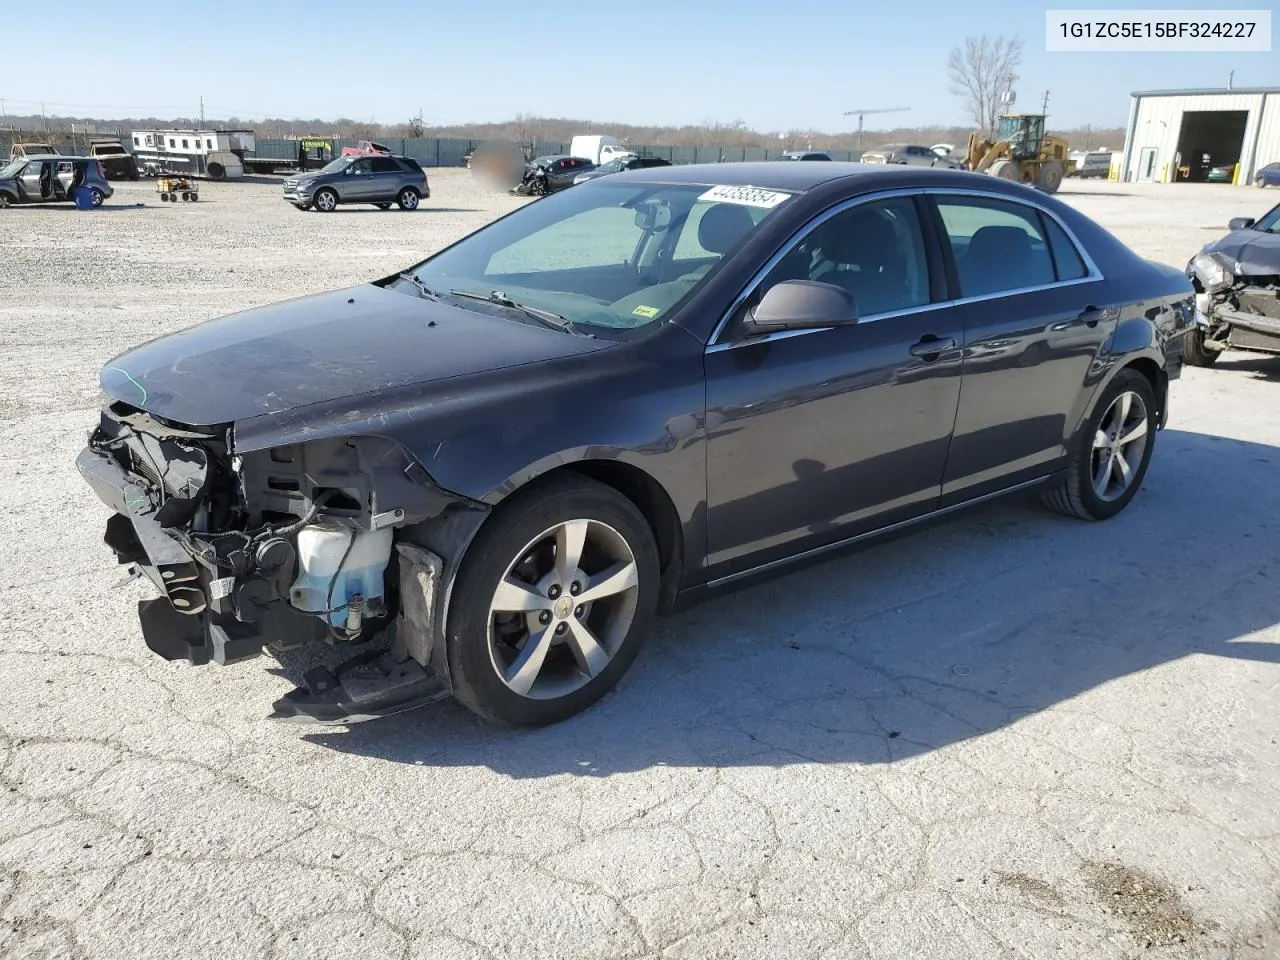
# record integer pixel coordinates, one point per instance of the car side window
(1067, 262)
(998, 245)
(874, 250)
(359, 168)
(385, 165)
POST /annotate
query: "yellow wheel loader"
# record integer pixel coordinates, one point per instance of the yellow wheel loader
(1022, 151)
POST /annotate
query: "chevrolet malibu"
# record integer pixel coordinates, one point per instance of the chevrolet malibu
(487, 473)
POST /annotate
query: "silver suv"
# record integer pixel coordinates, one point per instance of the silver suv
(379, 180)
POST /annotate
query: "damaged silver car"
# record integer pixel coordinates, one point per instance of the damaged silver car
(1237, 283)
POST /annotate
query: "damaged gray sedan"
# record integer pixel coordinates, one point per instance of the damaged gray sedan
(502, 463)
(1237, 283)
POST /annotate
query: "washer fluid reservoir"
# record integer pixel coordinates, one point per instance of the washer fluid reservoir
(321, 547)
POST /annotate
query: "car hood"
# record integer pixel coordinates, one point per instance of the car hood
(1248, 253)
(325, 347)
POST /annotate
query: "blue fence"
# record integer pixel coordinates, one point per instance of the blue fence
(446, 152)
(441, 151)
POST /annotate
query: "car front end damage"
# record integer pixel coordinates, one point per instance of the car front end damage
(344, 541)
(1237, 304)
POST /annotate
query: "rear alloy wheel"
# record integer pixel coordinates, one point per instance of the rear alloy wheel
(326, 201)
(552, 603)
(4, 200)
(96, 196)
(1112, 452)
(408, 199)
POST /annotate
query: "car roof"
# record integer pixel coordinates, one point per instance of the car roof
(764, 173)
(55, 156)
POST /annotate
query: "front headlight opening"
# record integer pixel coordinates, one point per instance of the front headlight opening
(1210, 270)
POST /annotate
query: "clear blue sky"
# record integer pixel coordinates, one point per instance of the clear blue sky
(776, 65)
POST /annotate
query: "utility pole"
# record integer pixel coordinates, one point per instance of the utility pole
(202, 113)
(1044, 107)
(1231, 79)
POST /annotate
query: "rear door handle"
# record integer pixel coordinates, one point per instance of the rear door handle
(930, 347)
(1089, 316)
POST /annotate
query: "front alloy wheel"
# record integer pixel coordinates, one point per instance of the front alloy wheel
(326, 201)
(552, 602)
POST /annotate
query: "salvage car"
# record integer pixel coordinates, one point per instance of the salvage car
(52, 179)
(621, 163)
(500, 463)
(379, 180)
(544, 175)
(1237, 283)
(117, 162)
(910, 154)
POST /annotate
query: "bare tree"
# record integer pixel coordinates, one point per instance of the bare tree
(980, 70)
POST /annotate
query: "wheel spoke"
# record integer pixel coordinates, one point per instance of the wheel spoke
(570, 538)
(524, 671)
(513, 597)
(1123, 403)
(591, 657)
(1122, 468)
(1100, 439)
(1135, 432)
(619, 577)
(1102, 476)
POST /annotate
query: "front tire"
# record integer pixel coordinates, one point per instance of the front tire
(383, 206)
(326, 201)
(552, 603)
(408, 199)
(1112, 451)
(1196, 353)
(1049, 176)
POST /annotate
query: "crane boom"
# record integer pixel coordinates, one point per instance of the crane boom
(862, 113)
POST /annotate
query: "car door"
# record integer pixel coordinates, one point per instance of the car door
(385, 179)
(817, 435)
(30, 181)
(1032, 307)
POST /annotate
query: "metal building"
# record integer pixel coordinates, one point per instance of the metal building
(1221, 135)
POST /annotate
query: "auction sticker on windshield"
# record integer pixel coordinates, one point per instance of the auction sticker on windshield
(747, 196)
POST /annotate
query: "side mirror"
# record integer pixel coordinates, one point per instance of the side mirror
(802, 304)
(1240, 223)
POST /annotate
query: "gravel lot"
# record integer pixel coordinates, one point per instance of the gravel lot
(1012, 736)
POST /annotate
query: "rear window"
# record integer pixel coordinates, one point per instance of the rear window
(411, 164)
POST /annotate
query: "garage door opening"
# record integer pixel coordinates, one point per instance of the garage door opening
(1209, 144)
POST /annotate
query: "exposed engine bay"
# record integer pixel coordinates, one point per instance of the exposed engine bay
(1244, 315)
(275, 549)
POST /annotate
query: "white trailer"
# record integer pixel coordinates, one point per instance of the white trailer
(211, 154)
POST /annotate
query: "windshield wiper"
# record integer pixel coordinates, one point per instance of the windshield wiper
(545, 317)
(423, 289)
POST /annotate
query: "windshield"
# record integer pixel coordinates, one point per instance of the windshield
(336, 166)
(1270, 222)
(610, 257)
(11, 168)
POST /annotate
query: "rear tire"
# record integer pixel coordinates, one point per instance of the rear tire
(408, 199)
(1196, 353)
(97, 196)
(595, 618)
(383, 206)
(1099, 484)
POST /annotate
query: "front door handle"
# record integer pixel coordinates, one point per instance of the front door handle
(931, 347)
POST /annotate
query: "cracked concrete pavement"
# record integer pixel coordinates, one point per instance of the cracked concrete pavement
(1008, 736)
